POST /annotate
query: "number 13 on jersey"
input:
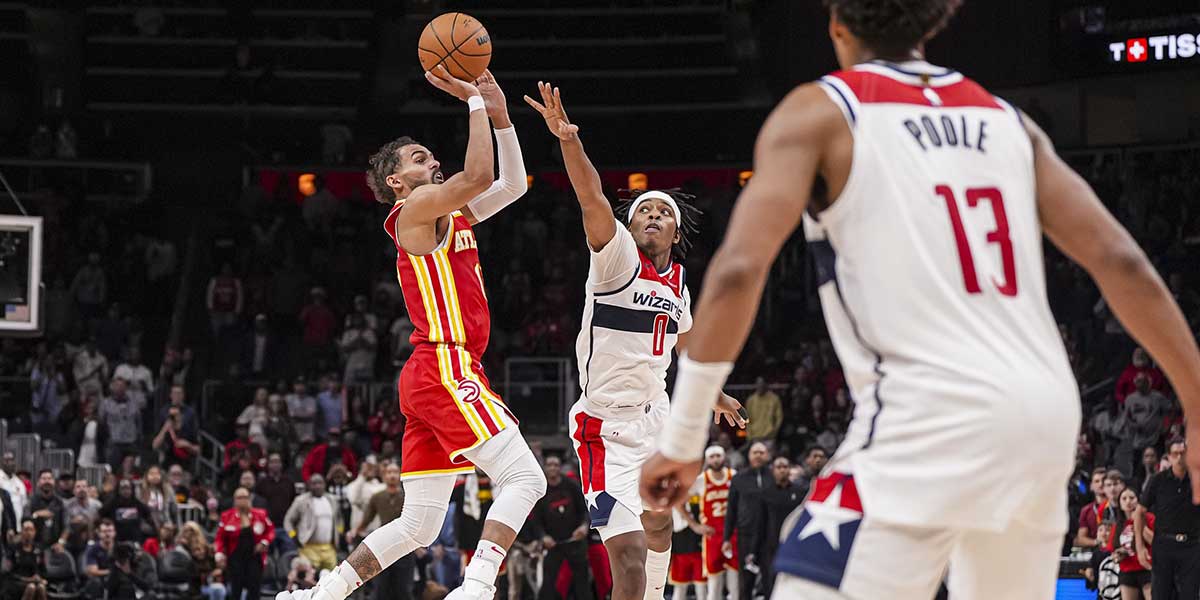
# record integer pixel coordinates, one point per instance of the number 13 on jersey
(998, 236)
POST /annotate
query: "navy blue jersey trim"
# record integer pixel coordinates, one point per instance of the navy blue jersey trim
(846, 103)
(587, 369)
(894, 67)
(636, 272)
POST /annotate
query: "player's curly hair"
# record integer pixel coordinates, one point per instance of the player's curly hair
(384, 163)
(688, 223)
(894, 27)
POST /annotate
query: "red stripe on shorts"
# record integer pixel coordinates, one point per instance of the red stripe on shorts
(591, 452)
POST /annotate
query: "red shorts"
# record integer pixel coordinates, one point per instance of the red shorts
(715, 561)
(449, 409)
(686, 568)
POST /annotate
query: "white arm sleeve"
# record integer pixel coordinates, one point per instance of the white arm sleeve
(696, 389)
(512, 182)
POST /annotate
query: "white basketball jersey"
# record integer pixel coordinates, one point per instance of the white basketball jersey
(632, 317)
(931, 279)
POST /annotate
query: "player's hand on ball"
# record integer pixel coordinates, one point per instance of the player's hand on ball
(552, 111)
(442, 80)
(493, 97)
(729, 408)
(665, 482)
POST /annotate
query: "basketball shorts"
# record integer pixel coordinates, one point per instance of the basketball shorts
(832, 550)
(715, 561)
(686, 568)
(449, 408)
(611, 452)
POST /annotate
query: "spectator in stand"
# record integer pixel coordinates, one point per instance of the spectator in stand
(177, 398)
(131, 516)
(138, 376)
(242, 541)
(302, 576)
(1090, 517)
(1139, 364)
(173, 446)
(314, 520)
(87, 435)
(384, 507)
(733, 456)
(302, 410)
(242, 454)
(1145, 412)
(745, 490)
(385, 424)
(159, 496)
(325, 455)
(776, 503)
(8, 523)
(176, 367)
(765, 411)
(165, 542)
(357, 346)
(89, 287)
(814, 459)
(1176, 539)
(256, 416)
(401, 332)
(249, 480)
(362, 307)
(46, 510)
(278, 490)
(208, 578)
(81, 504)
(90, 368)
(1131, 553)
(329, 404)
(318, 323)
(121, 413)
(1150, 466)
(49, 388)
(281, 435)
(259, 359)
(97, 559)
(25, 580)
(11, 483)
(112, 332)
(66, 486)
(224, 300)
(360, 491)
(561, 516)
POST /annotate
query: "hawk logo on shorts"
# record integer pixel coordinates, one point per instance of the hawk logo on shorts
(469, 391)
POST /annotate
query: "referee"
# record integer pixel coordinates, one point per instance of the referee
(1176, 545)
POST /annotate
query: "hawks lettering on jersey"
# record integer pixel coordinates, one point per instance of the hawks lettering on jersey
(714, 497)
(443, 290)
(632, 318)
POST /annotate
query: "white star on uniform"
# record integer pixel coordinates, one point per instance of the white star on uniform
(828, 517)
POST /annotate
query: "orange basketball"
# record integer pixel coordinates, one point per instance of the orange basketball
(458, 42)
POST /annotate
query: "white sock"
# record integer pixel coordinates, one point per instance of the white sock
(657, 564)
(480, 575)
(340, 582)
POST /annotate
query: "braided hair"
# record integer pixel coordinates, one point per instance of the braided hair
(687, 223)
(892, 28)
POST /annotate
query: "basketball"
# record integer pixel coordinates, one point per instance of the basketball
(458, 42)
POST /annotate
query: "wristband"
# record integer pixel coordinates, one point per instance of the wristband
(475, 103)
(697, 386)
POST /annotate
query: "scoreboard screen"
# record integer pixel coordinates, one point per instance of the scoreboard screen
(1127, 37)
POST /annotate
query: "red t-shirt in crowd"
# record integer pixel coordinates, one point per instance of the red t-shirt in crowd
(1089, 517)
(1125, 539)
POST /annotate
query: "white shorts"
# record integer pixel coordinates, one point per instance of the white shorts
(831, 550)
(611, 453)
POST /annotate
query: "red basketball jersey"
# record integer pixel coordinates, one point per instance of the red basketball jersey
(443, 290)
(714, 499)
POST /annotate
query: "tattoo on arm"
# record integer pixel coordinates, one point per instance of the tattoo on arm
(364, 562)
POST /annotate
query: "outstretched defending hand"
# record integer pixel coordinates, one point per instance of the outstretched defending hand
(552, 111)
(729, 408)
(442, 80)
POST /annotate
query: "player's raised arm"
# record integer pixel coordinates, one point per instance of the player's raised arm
(1076, 221)
(512, 183)
(430, 202)
(787, 158)
(598, 221)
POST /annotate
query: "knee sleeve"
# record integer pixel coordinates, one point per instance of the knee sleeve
(515, 473)
(425, 502)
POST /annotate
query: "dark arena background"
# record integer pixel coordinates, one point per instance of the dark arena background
(199, 296)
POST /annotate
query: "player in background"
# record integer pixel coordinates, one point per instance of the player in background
(687, 561)
(712, 486)
(637, 310)
(454, 419)
(927, 231)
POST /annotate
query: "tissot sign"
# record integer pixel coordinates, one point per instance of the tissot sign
(1156, 48)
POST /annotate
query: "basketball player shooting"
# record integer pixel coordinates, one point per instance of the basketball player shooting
(927, 236)
(454, 418)
(637, 309)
